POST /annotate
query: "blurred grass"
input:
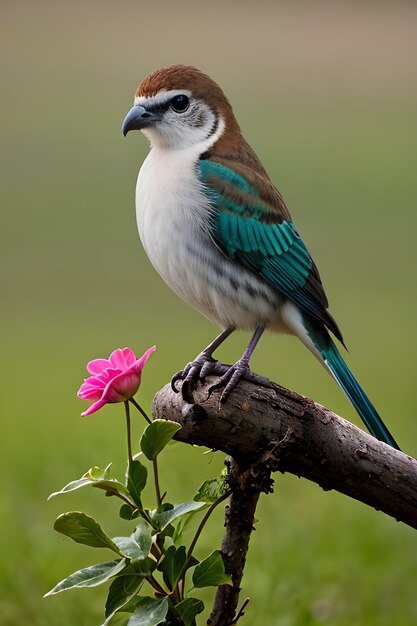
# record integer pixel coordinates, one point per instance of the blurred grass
(326, 96)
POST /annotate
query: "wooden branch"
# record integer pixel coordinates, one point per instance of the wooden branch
(301, 437)
(267, 428)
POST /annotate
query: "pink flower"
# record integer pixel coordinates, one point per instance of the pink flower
(115, 379)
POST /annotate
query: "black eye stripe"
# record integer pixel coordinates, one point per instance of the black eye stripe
(158, 107)
(161, 107)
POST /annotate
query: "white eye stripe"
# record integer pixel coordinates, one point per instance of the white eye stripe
(162, 97)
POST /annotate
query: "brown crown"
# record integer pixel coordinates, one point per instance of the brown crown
(187, 78)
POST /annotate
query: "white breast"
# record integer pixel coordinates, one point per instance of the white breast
(171, 211)
(173, 218)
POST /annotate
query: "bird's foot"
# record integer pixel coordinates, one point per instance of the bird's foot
(233, 374)
(204, 365)
(231, 378)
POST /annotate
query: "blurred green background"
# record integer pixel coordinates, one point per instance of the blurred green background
(326, 94)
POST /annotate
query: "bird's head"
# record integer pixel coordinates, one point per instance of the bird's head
(180, 107)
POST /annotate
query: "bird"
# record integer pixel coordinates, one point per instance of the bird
(220, 235)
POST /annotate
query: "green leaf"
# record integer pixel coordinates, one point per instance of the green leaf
(130, 607)
(118, 619)
(72, 486)
(112, 486)
(179, 530)
(125, 587)
(212, 490)
(84, 529)
(210, 572)
(89, 576)
(149, 612)
(172, 565)
(126, 512)
(161, 520)
(188, 609)
(95, 477)
(128, 547)
(136, 480)
(96, 473)
(156, 436)
(138, 545)
(142, 536)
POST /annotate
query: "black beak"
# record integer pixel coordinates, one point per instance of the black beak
(138, 118)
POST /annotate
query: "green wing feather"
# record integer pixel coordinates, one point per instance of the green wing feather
(249, 228)
(255, 229)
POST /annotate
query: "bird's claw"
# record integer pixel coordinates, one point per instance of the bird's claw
(203, 366)
(178, 376)
(199, 369)
(231, 378)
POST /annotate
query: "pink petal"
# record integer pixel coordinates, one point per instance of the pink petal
(97, 366)
(118, 391)
(112, 372)
(94, 407)
(126, 385)
(140, 363)
(90, 393)
(103, 378)
(117, 359)
(90, 390)
(96, 381)
(129, 356)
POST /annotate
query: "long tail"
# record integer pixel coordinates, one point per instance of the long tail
(316, 338)
(333, 360)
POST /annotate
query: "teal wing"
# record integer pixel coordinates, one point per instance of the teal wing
(248, 226)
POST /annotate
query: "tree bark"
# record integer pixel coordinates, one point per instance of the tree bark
(239, 520)
(266, 428)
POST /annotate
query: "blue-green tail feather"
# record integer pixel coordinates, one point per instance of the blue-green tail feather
(355, 393)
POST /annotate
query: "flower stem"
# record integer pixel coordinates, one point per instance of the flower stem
(196, 537)
(129, 439)
(156, 585)
(132, 504)
(203, 522)
(122, 497)
(156, 479)
(139, 408)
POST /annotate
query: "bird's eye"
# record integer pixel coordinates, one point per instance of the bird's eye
(180, 103)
